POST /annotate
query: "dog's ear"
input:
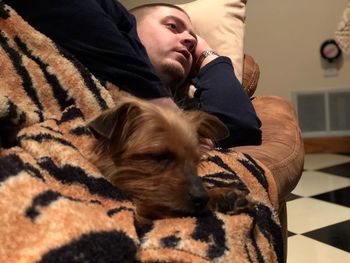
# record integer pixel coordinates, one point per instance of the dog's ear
(105, 124)
(208, 126)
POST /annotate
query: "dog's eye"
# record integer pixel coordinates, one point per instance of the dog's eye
(164, 158)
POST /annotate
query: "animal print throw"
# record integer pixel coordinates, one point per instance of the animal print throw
(55, 206)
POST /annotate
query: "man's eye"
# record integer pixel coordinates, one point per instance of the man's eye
(171, 26)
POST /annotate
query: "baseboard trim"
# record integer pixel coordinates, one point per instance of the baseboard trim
(327, 145)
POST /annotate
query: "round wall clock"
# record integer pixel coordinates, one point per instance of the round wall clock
(330, 50)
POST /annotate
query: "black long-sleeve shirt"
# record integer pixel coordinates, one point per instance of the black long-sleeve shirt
(102, 35)
(220, 93)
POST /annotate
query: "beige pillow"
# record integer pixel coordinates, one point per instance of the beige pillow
(221, 24)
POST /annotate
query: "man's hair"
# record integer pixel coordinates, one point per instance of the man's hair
(141, 11)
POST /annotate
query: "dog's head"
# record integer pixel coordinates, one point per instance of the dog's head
(153, 153)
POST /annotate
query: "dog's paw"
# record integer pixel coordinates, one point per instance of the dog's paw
(230, 201)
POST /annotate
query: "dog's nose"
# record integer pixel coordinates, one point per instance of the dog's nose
(199, 198)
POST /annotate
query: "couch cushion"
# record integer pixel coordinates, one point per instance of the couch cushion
(221, 24)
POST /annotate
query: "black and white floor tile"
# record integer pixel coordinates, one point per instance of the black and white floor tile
(319, 211)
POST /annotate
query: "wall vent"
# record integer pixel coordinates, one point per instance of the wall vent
(323, 113)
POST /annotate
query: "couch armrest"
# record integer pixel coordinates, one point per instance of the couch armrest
(282, 148)
(251, 74)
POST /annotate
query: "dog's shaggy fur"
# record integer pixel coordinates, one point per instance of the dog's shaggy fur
(152, 153)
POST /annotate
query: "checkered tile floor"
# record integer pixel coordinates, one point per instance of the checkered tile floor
(319, 211)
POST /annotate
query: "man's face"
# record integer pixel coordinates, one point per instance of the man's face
(168, 37)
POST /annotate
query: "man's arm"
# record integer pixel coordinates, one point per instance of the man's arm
(102, 35)
(221, 94)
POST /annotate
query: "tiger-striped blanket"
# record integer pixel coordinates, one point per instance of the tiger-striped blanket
(55, 206)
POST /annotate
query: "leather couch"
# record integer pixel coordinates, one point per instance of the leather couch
(282, 149)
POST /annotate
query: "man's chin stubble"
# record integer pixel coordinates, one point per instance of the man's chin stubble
(175, 76)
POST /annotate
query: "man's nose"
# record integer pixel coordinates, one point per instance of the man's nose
(189, 42)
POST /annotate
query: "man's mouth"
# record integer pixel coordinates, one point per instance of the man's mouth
(184, 58)
(184, 53)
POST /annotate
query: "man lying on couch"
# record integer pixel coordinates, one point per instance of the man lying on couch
(103, 36)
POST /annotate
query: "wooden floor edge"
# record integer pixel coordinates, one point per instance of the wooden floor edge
(327, 145)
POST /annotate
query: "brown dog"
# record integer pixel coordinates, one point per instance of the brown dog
(152, 153)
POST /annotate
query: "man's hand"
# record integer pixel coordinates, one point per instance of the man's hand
(202, 46)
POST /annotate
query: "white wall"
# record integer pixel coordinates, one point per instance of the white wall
(284, 36)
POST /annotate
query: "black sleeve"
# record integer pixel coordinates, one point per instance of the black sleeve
(102, 35)
(221, 94)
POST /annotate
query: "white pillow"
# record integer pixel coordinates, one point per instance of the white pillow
(221, 24)
(342, 34)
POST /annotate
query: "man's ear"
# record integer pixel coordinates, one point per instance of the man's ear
(105, 124)
(208, 126)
